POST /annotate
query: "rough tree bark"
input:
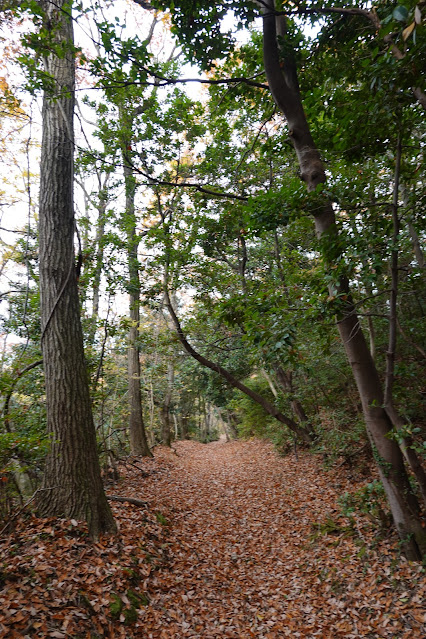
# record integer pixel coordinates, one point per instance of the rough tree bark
(282, 78)
(72, 485)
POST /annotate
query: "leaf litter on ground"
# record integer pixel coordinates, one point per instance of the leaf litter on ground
(234, 541)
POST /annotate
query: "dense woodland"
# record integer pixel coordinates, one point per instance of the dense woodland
(212, 224)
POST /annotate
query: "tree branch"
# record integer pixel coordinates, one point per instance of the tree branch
(12, 388)
(191, 185)
(269, 408)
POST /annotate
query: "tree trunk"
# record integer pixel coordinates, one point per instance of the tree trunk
(166, 433)
(72, 485)
(176, 425)
(99, 257)
(282, 79)
(232, 424)
(417, 246)
(138, 440)
(183, 423)
(267, 406)
(285, 380)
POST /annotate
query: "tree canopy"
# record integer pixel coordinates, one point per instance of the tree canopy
(248, 229)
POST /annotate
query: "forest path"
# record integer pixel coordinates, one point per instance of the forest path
(242, 558)
(226, 540)
(239, 516)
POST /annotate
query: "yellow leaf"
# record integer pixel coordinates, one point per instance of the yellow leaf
(408, 30)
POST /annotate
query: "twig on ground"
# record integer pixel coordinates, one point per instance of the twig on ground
(131, 500)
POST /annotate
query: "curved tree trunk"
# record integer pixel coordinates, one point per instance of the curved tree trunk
(267, 406)
(72, 485)
(282, 78)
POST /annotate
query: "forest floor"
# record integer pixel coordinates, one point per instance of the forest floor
(234, 542)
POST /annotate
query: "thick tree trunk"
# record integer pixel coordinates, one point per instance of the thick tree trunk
(282, 78)
(72, 485)
(138, 440)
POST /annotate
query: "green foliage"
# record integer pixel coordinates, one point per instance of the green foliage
(33, 448)
(199, 26)
(136, 599)
(162, 519)
(369, 501)
(116, 606)
(331, 527)
(273, 209)
(413, 434)
(130, 615)
(339, 432)
(253, 421)
(253, 289)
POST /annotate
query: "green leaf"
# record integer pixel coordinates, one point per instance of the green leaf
(400, 13)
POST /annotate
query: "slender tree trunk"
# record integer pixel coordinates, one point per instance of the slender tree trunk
(138, 440)
(285, 379)
(183, 423)
(372, 337)
(282, 79)
(100, 204)
(417, 247)
(270, 383)
(393, 296)
(72, 485)
(396, 419)
(99, 258)
(166, 433)
(232, 423)
(176, 425)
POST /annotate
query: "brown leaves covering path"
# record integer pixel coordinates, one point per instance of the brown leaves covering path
(228, 546)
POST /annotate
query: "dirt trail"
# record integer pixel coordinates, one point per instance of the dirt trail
(242, 558)
(228, 540)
